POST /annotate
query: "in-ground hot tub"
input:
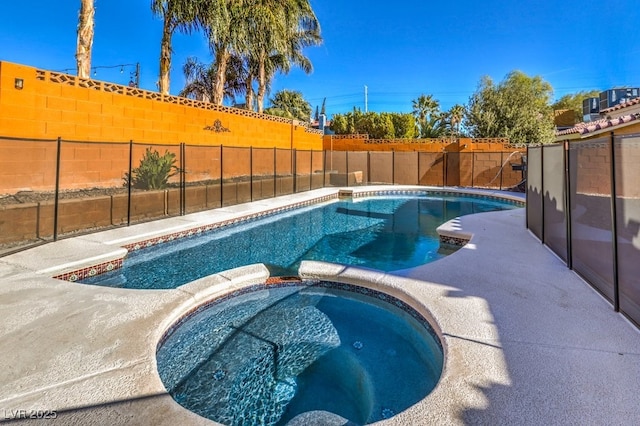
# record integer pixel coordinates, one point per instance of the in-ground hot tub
(267, 354)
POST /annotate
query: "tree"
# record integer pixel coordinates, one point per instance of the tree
(182, 15)
(455, 116)
(377, 125)
(223, 24)
(269, 36)
(342, 125)
(429, 119)
(85, 38)
(290, 104)
(574, 102)
(517, 108)
(200, 79)
(404, 125)
(278, 32)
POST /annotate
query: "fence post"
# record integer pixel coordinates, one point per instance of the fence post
(526, 191)
(310, 169)
(501, 168)
(567, 203)
(221, 177)
(275, 170)
(346, 162)
(473, 166)
(294, 166)
(614, 224)
(251, 173)
(542, 192)
(445, 169)
(129, 182)
(57, 193)
(183, 179)
(393, 167)
(324, 168)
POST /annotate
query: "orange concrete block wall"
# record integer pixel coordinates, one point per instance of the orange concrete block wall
(50, 105)
(363, 143)
(37, 107)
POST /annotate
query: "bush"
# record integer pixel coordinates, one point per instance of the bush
(154, 170)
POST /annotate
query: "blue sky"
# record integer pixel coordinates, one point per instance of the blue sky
(399, 49)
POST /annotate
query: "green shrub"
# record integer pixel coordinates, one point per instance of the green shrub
(154, 170)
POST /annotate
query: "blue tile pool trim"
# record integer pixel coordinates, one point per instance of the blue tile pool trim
(453, 241)
(218, 225)
(439, 193)
(445, 240)
(93, 270)
(297, 282)
(89, 271)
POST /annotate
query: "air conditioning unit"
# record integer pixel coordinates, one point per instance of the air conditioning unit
(590, 109)
(613, 97)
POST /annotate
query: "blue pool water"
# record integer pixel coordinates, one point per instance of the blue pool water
(272, 353)
(385, 233)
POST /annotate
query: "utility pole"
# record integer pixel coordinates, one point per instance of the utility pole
(365, 99)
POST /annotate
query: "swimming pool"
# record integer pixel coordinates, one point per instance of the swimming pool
(270, 353)
(384, 232)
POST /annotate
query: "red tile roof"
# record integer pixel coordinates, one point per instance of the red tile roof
(629, 103)
(592, 126)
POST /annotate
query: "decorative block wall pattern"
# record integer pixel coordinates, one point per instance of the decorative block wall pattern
(53, 104)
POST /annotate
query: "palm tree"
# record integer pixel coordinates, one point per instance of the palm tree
(223, 22)
(85, 38)
(293, 55)
(290, 104)
(235, 78)
(182, 15)
(201, 78)
(428, 116)
(278, 31)
(268, 35)
(456, 115)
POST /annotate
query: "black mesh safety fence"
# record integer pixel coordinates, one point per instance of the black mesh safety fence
(202, 177)
(357, 172)
(263, 173)
(627, 207)
(431, 168)
(590, 213)
(303, 170)
(155, 182)
(554, 204)
(405, 166)
(336, 163)
(583, 202)
(381, 170)
(51, 189)
(236, 175)
(284, 171)
(28, 171)
(535, 214)
(317, 169)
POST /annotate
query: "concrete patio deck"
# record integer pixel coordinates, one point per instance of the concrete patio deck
(526, 341)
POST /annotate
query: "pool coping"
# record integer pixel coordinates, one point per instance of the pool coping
(81, 269)
(513, 354)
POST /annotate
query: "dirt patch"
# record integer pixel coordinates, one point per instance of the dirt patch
(25, 197)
